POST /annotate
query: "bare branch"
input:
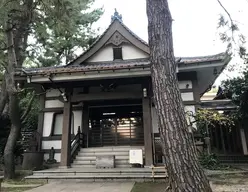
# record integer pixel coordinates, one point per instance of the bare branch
(230, 17)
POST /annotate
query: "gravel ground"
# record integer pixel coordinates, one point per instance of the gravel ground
(231, 183)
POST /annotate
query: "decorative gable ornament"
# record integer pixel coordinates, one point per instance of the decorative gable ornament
(117, 39)
(116, 16)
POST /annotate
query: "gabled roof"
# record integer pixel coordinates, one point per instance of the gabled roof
(116, 26)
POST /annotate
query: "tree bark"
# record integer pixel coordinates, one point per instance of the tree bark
(9, 157)
(3, 96)
(14, 113)
(184, 170)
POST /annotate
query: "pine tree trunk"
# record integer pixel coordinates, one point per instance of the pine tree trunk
(185, 173)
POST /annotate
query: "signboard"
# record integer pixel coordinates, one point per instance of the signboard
(136, 156)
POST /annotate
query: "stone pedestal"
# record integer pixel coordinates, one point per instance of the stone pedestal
(106, 161)
(32, 160)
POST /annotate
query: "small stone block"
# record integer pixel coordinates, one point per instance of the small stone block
(106, 161)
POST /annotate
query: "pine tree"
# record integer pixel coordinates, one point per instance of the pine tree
(184, 171)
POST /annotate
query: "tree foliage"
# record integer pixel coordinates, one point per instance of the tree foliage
(40, 32)
(54, 29)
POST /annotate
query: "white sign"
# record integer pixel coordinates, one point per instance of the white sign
(136, 156)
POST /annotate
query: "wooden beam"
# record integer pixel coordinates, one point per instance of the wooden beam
(66, 134)
(147, 124)
(106, 96)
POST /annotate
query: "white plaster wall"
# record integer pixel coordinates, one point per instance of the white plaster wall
(187, 96)
(53, 103)
(104, 54)
(128, 52)
(183, 84)
(57, 156)
(77, 120)
(50, 144)
(53, 93)
(132, 52)
(48, 120)
(47, 125)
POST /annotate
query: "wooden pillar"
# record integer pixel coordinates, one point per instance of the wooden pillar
(85, 124)
(66, 134)
(147, 124)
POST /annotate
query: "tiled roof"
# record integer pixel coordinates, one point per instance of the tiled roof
(200, 59)
(87, 67)
(115, 65)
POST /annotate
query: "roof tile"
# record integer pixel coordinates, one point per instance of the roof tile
(114, 65)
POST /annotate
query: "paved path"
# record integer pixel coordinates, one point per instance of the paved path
(85, 187)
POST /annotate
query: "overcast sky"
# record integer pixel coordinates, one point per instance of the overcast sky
(195, 22)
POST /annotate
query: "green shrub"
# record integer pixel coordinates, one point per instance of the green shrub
(209, 161)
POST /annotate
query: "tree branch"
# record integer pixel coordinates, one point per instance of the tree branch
(26, 112)
(230, 17)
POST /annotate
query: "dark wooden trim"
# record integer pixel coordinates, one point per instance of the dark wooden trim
(53, 98)
(41, 119)
(53, 109)
(106, 96)
(182, 76)
(52, 138)
(60, 109)
(189, 103)
(48, 150)
(186, 90)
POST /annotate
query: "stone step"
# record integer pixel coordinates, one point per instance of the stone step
(96, 177)
(93, 162)
(101, 172)
(99, 153)
(94, 166)
(107, 149)
(85, 158)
